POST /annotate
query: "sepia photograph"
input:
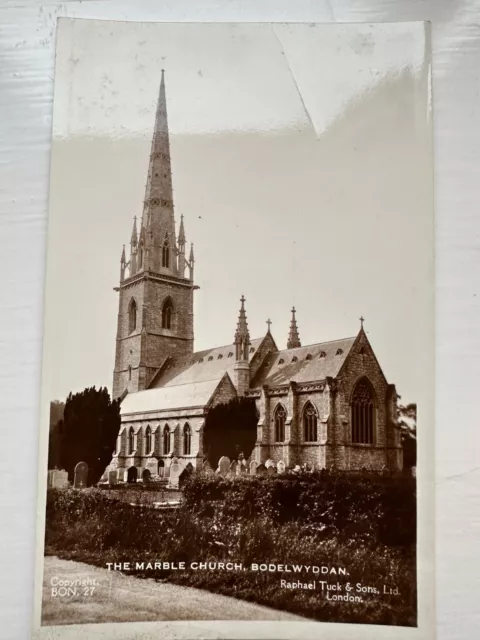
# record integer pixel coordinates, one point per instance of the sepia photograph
(238, 338)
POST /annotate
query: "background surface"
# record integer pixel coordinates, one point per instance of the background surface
(26, 80)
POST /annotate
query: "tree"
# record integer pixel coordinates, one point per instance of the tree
(407, 423)
(87, 432)
(230, 429)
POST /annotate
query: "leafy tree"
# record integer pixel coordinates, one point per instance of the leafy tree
(87, 432)
(407, 422)
(230, 429)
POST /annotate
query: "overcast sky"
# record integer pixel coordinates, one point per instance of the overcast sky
(301, 162)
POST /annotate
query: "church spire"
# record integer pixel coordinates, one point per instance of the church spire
(293, 337)
(241, 372)
(133, 248)
(242, 336)
(181, 249)
(158, 217)
(122, 264)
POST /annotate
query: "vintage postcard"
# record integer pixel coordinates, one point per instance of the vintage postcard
(238, 334)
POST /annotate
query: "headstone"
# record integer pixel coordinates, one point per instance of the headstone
(281, 467)
(207, 469)
(81, 475)
(146, 475)
(233, 469)
(242, 465)
(297, 468)
(253, 468)
(59, 479)
(269, 463)
(112, 477)
(261, 470)
(174, 473)
(223, 466)
(271, 471)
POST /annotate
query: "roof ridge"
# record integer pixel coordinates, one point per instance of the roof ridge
(223, 346)
(317, 344)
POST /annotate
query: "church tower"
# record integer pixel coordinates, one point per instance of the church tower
(155, 311)
(293, 338)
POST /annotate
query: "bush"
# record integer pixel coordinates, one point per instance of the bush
(365, 523)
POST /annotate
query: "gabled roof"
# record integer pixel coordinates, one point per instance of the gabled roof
(195, 394)
(304, 364)
(211, 364)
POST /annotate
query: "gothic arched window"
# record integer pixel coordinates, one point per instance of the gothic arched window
(166, 440)
(132, 316)
(187, 440)
(280, 418)
(166, 253)
(310, 423)
(148, 440)
(131, 440)
(363, 414)
(167, 314)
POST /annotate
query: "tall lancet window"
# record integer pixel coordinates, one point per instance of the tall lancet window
(187, 440)
(132, 316)
(363, 413)
(148, 440)
(167, 314)
(131, 440)
(166, 253)
(280, 418)
(310, 423)
(166, 440)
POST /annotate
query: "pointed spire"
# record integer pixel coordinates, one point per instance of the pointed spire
(242, 336)
(158, 213)
(293, 337)
(134, 238)
(191, 259)
(122, 264)
(191, 262)
(181, 235)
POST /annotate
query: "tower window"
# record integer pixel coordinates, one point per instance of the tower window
(187, 440)
(148, 440)
(166, 440)
(280, 418)
(131, 440)
(310, 423)
(132, 316)
(363, 413)
(166, 253)
(167, 314)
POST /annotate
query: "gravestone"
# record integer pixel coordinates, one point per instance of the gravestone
(271, 471)
(242, 466)
(112, 477)
(269, 463)
(59, 479)
(174, 474)
(281, 467)
(207, 469)
(81, 475)
(223, 466)
(132, 475)
(261, 470)
(233, 469)
(146, 475)
(253, 468)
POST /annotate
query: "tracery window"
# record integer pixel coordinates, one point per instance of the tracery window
(148, 440)
(132, 316)
(310, 423)
(187, 440)
(167, 314)
(131, 440)
(363, 416)
(166, 440)
(280, 418)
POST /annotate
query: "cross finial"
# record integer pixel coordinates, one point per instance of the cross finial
(362, 320)
(242, 299)
(269, 322)
(293, 310)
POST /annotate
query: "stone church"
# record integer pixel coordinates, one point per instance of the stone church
(327, 405)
